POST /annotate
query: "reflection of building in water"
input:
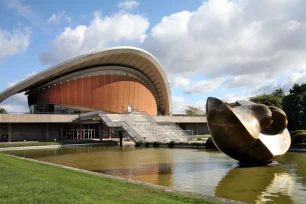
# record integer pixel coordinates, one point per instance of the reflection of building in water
(152, 165)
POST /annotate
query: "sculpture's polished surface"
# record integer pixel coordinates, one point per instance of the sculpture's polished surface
(249, 132)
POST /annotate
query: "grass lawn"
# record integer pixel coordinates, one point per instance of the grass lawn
(24, 181)
(23, 144)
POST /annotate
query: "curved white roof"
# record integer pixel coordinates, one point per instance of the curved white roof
(129, 57)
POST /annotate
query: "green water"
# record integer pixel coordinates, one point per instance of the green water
(207, 172)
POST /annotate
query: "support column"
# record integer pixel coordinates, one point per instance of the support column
(80, 131)
(109, 133)
(100, 131)
(9, 132)
(121, 136)
(47, 132)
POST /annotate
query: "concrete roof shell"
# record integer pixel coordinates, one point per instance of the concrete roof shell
(129, 57)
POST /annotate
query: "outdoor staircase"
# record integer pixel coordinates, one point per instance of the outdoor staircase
(100, 115)
(140, 126)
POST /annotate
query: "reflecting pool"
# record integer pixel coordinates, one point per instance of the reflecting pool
(202, 171)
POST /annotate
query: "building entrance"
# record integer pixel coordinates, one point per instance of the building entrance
(89, 134)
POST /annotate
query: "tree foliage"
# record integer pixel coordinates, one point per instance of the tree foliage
(267, 99)
(3, 111)
(274, 99)
(294, 105)
(192, 110)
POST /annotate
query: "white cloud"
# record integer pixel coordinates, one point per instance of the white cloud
(178, 104)
(248, 80)
(179, 81)
(58, 18)
(128, 5)
(201, 104)
(205, 86)
(14, 42)
(254, 45)
(102, 32)
(19, 7)
(240, 40)
(10, 84)
(17, 103)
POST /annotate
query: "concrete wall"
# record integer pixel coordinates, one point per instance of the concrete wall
(53, 132)
(37, 118)
(111, 93)
(181, 119)
(3, 131)
(30, 132)
(197, 128)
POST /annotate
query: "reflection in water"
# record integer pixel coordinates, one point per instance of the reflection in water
(254, 184)
(207, 172)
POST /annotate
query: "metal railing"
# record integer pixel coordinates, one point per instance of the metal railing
(133, 135)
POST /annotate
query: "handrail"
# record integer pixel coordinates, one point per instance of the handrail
(131, 132)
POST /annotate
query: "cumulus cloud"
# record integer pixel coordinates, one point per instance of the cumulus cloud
(253, 46)
(128, 5)
(58, 18)
(102, 32)
(205, 86)
(242, 40)
(179, 81)
(10, 84)
(179, 105)
(18, 7)
(14, 42)
(17, 103)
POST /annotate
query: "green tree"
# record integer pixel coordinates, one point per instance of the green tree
(294, 105)
(268, 99)
(192, 110)
(279, 93)
(3, 111)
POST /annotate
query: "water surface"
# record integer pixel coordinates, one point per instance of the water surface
(202, 171)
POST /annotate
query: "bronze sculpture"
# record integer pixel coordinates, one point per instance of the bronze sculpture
(250, 133)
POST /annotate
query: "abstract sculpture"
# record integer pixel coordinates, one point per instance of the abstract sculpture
(250, 133)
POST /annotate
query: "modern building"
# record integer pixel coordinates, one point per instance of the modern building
(104, 87)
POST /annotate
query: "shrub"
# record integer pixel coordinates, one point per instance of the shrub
(156, 144)
(299, 137)
(210, 144)
(297, 131)
(147, 144)
(138, 144)
(171, 144)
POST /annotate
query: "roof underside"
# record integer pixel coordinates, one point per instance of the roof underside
(129, 57)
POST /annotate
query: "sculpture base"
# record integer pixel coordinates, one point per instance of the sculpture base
(246, 164)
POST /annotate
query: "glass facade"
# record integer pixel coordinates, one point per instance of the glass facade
(51, 109)
(84, 131)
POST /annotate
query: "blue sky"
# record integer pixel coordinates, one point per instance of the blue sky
(222, 48)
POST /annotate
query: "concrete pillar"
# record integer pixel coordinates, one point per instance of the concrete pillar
(9, 132)
(197, 129)
(100, 131)
(109, 133)
(80, 131)
(121, 136)
(47, 132)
